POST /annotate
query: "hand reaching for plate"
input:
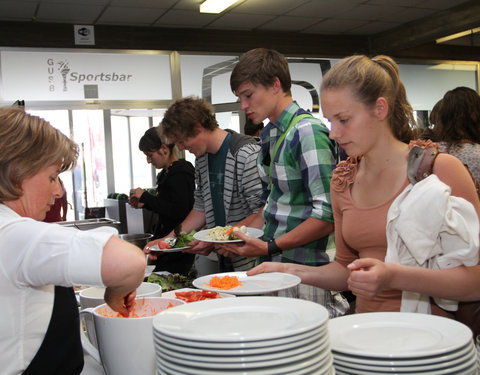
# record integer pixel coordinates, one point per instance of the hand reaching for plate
(250, 246)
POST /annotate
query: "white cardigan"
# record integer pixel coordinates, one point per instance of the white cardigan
(428, 227)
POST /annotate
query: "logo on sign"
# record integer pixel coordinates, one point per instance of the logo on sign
(62, 67)
(84, 31)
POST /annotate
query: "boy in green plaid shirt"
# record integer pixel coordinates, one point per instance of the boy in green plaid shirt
(295, 163)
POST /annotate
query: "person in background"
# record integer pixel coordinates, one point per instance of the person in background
(252, 129)
(173, 199)
(457, 126)
(58, 212)
(366, 103)
(228, 188)
(40, 262)
(296, 163)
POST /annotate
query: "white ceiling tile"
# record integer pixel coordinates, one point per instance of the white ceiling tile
(440, 4)
(68, 13)
(188, 4)
(15, 11)
(323, 8)
(334, 26)
(410, 14)
(185, 18)
(268, 6)
(372, 28)
(130, 16)
(287, 23)
(240, 21)
(162, 4)
(400, 3)
(74, 2)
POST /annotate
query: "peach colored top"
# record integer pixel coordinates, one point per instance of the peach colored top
(361, 233)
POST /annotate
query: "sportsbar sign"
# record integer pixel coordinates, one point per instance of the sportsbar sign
(44, 76)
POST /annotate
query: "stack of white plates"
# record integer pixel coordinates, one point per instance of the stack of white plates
(401, 343)
(248, 335)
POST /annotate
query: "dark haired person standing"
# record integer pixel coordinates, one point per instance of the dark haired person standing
(173, 199)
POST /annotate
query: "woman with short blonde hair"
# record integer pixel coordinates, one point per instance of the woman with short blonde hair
(41, 262)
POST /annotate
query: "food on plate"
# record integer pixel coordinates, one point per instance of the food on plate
(184, 239)
(225, 233)
(172, 281)
(163, 245)
(181, 241)
(146, 310)
(224, 282)
(196, 295)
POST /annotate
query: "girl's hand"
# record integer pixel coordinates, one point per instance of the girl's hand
(368, 277)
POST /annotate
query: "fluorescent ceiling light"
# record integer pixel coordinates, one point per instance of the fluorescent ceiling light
(215, 6)
(464, 67)
(457, 35)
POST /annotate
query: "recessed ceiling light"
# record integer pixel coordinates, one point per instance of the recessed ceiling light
(215, 6)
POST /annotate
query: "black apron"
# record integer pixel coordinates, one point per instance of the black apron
(61, 351)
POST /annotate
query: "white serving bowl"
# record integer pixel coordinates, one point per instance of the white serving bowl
(92, 297)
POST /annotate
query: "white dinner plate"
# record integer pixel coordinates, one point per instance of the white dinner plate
(287, 351)
(155, 248)
(405, 362)
(266, 345)
(171, 293)
(247, 362)
(439, 365)
(308, 366)
(181, 347)
(251, 285)
(202, 235)
(240, 319)
(463, 368)
(397, 335)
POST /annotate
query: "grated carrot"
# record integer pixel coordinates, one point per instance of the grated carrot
(225, 282)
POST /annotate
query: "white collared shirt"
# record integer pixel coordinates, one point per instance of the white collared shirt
(34, 257)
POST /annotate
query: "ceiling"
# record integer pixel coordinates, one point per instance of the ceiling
(389, 26)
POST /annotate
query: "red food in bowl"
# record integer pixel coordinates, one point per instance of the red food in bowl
(197, 295)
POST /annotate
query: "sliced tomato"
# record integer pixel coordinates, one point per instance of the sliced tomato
(196, 295)
(163, 245)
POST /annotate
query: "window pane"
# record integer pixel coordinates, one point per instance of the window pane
(121, 154)
(89, 134)
(142, 171)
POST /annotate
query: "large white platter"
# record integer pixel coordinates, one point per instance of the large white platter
(202, 235)
(251, 285)
(240, 319)
(397, 335)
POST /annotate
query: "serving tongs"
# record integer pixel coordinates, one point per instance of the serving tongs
(177, 231)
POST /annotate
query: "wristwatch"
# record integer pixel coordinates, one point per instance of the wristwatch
(273, 248)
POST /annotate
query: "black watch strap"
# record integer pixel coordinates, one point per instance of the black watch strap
(273, 248)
